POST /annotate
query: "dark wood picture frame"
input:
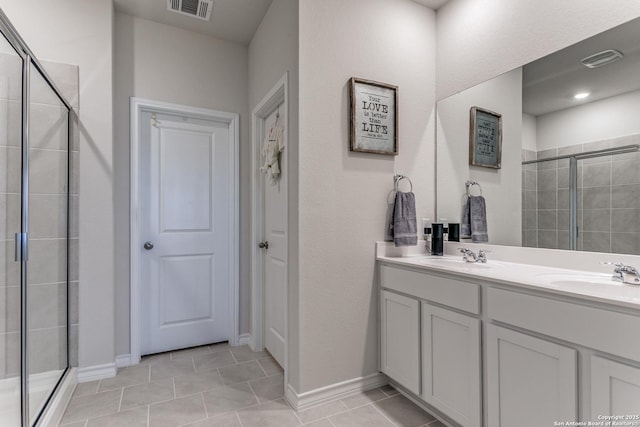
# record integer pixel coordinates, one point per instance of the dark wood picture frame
(485, 138)
(373, 117)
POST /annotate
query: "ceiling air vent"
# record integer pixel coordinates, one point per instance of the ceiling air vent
(601, 58)
(200, 9)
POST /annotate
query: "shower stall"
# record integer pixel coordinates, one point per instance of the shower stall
(37, 231)
(583, 197)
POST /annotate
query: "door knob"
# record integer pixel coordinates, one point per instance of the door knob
(148, 245)
(263, 245)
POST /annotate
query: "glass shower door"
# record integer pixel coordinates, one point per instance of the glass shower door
(48, 223)
(10, 224)
(609, 203)
(546, 204)
(586, 201)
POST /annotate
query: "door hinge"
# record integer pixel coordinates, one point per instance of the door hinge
(22, 252)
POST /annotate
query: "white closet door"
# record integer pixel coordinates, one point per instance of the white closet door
(275, 266)
(185, 279)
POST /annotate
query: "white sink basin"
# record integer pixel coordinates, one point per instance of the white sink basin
(590, 284)
(579, 279)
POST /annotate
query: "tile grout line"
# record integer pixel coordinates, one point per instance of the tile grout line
(254, 392)
(261, 367)
(206, 411)
(120, 403)
(367, 403)
(295, 413)
(233, 356)
(345, 410)
(375, 408)
(238, 417)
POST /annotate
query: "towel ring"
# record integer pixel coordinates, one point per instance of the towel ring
(469, 184)
(398, 178)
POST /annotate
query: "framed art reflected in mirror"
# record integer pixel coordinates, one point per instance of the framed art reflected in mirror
(485, 138)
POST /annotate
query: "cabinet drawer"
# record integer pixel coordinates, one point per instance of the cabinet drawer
(600, 329)
(451, 292)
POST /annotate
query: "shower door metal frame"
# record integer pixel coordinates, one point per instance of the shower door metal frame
(21, 240)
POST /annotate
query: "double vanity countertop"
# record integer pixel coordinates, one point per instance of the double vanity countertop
(588, 285)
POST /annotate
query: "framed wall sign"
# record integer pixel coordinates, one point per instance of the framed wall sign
(485, 138)
(374, 117)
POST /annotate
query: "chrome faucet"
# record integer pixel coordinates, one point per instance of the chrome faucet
(469, 256)
(625, 273)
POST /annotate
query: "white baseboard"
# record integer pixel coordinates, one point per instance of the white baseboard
(123, 360)
(97, 372)
(244, 339)
(301, 401)
(58, 405)
(252, 343)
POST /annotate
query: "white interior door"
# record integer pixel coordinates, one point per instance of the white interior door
(275, 267)
(185, 223)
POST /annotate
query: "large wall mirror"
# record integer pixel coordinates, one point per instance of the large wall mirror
(570, 173)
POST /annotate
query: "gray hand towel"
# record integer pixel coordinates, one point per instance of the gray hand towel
(465, 221)
(478, 219)
(404, 227)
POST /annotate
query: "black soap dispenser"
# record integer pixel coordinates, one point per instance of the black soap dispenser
(437, 239)
(454, 232)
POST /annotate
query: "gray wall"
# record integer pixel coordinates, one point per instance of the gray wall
(164, 63)
(343, 195)
(272, 52)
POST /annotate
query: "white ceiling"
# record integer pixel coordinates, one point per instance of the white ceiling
(233, 20)
(550, 82)
(432, 4)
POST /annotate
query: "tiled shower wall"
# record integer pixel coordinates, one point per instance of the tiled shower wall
(608, 214)
(47, 220)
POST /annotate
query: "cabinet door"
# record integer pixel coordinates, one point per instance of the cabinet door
(531, 382)
(399, 339)
(451, 364)
(615, 389)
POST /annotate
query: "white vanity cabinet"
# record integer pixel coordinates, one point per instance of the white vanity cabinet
(547, 371)
(431, 350)
(615, 389)
(451, 369)
(526, 356)
(399, 339)
(531, 381)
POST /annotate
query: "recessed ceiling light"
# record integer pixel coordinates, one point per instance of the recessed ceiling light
(581, 95)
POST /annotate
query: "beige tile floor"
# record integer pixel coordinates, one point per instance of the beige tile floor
(223, 386)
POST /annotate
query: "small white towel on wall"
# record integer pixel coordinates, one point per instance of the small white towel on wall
(271, 148)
